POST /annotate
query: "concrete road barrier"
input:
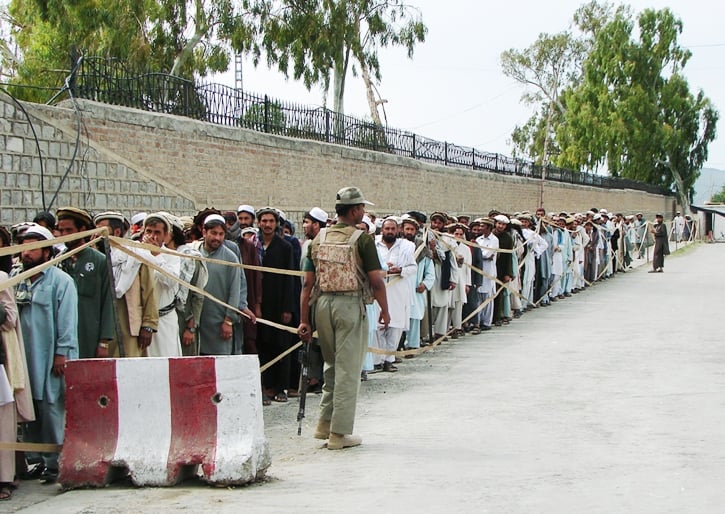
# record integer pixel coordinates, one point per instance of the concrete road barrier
(162, 420)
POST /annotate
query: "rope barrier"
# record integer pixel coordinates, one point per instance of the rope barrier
(122, 244)
(11, 282)
(197, 290)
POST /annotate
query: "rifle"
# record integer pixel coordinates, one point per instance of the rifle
(304, 382)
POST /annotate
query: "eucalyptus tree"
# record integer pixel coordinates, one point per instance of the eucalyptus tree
(180, 37)
(633, 110)
(319, 41)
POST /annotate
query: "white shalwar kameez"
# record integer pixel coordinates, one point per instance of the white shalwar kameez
(165, 342)
(401, 255)
(459, 295)
(440, 295)
(489, 248)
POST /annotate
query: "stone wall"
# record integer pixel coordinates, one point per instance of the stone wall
(132, 160)
(96, 179)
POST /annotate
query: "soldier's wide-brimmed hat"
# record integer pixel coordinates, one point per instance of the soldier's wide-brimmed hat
(351, 196)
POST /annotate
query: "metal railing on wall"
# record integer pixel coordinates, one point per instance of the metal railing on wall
(108, 80)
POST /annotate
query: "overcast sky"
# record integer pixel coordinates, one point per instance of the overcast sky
(453, 88)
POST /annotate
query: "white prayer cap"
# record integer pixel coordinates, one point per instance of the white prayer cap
(35, 231)
(213, 219)
(246, 208)
(371, 226)
(501, 218)
(597, 217)
(138, 218)
(249, 230)
(603, 211)
(318, 214)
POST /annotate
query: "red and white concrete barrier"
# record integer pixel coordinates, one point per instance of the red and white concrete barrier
(162, 418)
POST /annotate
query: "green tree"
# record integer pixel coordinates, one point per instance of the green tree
(544, 68)
(178, 37)
(267, 117)
(719, 197)
(633, 110)
(320, 40)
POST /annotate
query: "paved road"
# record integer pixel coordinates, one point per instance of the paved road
(611, 401)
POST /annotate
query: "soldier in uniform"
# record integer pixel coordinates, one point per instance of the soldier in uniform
(339, 315)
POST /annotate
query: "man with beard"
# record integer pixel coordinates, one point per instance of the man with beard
(245, 216)
(250, 256)
(89, 271)
(504, 264)
(166, 341)
(48, 306)
(314, 221)
(446, 271)
(340, 320)
(424, 279)
(397, 255)
(277, 304)
(217, 321)
(135, 301)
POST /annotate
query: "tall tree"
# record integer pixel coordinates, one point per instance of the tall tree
(545, 67)
(321, 40)
(181, 37)
(633, 110)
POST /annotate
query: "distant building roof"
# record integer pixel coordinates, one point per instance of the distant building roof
(712, 209)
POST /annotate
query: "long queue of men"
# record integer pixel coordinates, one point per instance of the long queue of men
(471, 275)
(445, 276)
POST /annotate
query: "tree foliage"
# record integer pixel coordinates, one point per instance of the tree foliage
(613, 94)
(179, 37)
(633, 110)
(719, 197)
(320, 40)
(545, 67)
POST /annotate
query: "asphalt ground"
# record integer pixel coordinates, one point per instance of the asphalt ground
(610, 401)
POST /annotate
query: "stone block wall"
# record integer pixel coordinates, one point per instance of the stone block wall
(134, 160)
(82, 174)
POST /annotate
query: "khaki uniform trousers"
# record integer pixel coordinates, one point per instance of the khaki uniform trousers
(342, 332)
